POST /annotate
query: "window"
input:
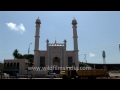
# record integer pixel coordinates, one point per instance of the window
(11, 64)
(14, 64)
(42, 61)
(18, 65)
(5, 64)
(70, 61)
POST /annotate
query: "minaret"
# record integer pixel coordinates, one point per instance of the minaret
(75, 58)
(36, 50)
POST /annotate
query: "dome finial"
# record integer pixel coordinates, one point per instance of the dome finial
(74, 18)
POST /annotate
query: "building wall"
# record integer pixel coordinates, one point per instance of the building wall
(43, 54)
(69, 54)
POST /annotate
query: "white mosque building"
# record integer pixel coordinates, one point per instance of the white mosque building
(56, 53)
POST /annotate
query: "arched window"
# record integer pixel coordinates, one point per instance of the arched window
(7, 64)
(18, 64)
(11, 64)
(14, 65)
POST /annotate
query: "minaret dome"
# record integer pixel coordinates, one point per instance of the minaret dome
(38, 21)
(74, 21)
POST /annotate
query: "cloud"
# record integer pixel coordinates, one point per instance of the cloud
(14, 27)
(92, 55)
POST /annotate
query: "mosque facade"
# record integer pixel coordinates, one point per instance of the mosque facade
(55, 53)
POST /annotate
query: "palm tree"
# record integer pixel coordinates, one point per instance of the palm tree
(103, 55)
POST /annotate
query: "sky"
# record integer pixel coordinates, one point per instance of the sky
(96, 30)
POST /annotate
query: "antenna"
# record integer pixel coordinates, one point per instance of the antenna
(85, 58)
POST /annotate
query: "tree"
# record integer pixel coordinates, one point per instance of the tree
(20, 56)
(15, 53)
(82, 64)
(30, 57)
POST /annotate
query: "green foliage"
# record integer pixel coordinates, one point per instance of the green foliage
(82, 64)
(20, 56)
(17, 55)
(30, 57)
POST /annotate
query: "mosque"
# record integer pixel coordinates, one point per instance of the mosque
(55, 53)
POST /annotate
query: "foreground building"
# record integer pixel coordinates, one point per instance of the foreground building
(12, 66)
(110, 67)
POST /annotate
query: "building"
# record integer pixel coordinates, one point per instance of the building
(12, 66)
(55, 53)
(1, 67)
(109, 67)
